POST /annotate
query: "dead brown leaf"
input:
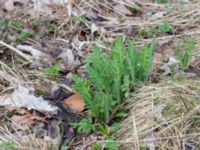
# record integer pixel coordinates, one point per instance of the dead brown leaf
(53, 135)
(122, 9)
(24, 122)
(75, 102)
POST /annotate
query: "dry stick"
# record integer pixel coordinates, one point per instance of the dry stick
(28, 58)
(67, 88)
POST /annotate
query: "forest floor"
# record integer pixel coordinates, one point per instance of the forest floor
(41, 50)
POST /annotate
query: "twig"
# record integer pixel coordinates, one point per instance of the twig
(66, 87)
(28, 58)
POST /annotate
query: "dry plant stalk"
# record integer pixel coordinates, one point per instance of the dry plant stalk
(26, 57)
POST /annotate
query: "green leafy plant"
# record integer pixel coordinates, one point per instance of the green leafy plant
(3, 23)
(40, 92)
(84, 126)
(136, 8)
(52, 27)
(111, 75)
(141, 62)
(104, 131)
(96, 146)
(148, 32)
(8, 145)
(184, 52)
(115, 127)
(109, 142)
(53, 71)
(79, 20)
(160, 1)
(165, 27)
(24, 35)
(15, 25)
(155, 30)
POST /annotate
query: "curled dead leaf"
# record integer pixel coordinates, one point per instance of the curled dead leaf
(75, 102)
(53, 134)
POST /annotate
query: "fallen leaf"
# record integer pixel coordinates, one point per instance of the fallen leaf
(172, 66)
(158, 15)
(82, 36)
(149, 142)
(54, 129)
(93, 16)
(42, 7)
(75, 102)
(68, 132)
(40, 129)
(68, 58)
(24, 122)
(122, 9)
(93, 28)
(53, 134)
(9, 6)
(23, 111)
(39, 58)
(165, 47)
(29, 49)
(23, 97)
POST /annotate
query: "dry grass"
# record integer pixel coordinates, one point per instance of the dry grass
(20, 142)
(164, 115)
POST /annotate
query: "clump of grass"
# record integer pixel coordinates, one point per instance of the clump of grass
(184, 52)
